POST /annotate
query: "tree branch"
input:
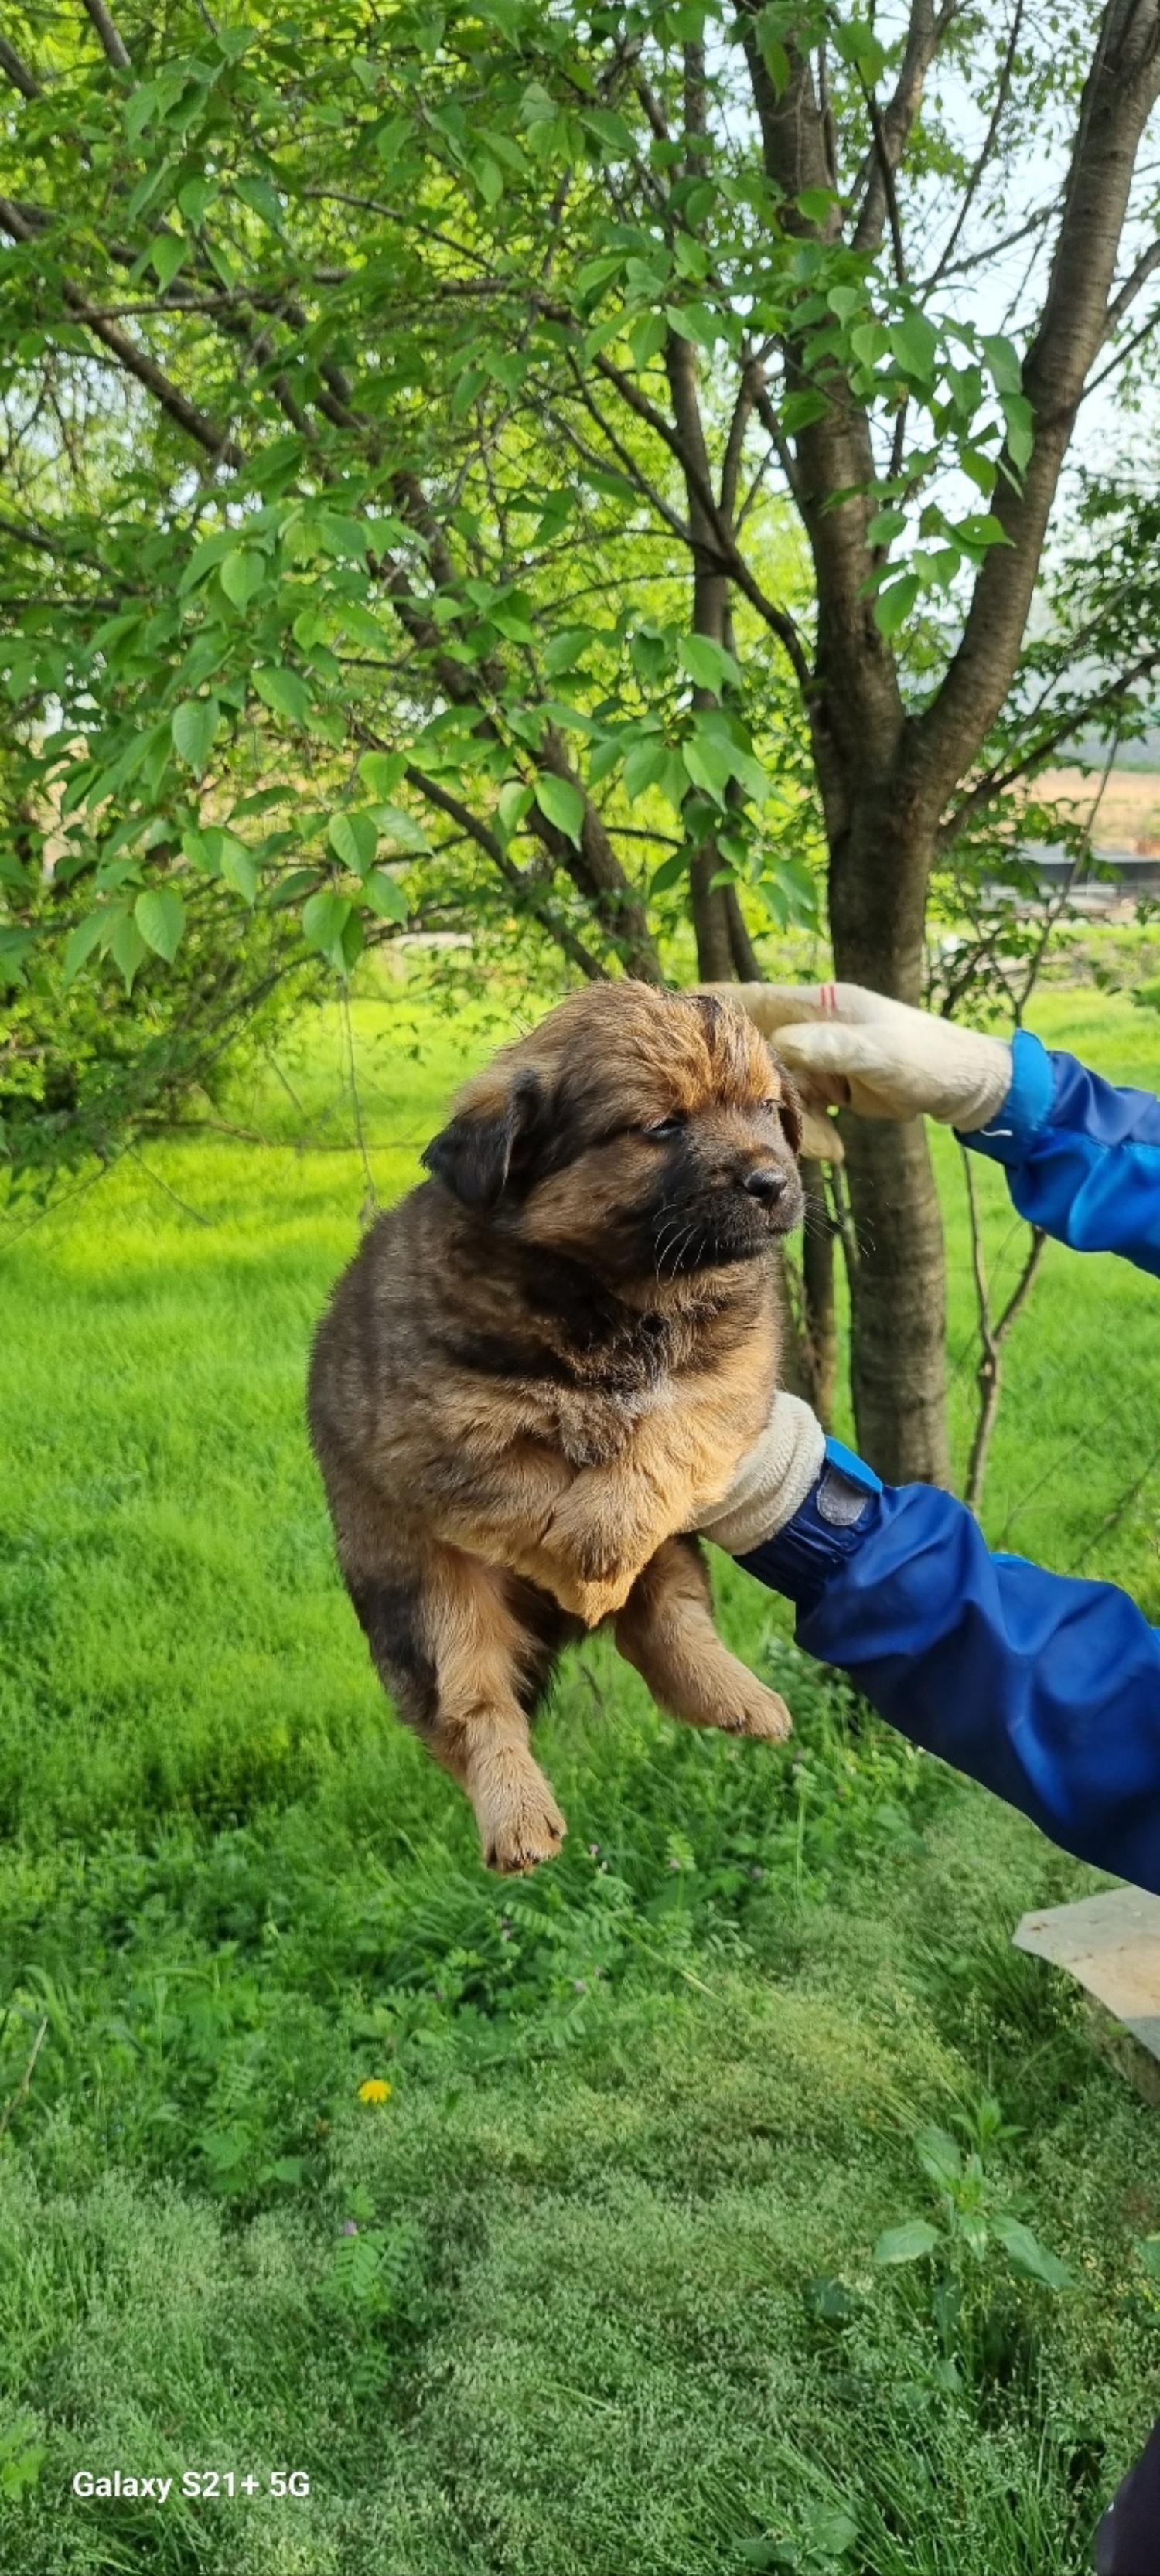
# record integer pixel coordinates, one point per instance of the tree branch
(891, 130)
(987, 147)
(18, 72)
(116, 52)
(997, 781)
(479, 832)
(699, 483)
(992, 1335)
(855, 704)
(1121, 88)
(1148, 261)
(133, 361)
(886, 177)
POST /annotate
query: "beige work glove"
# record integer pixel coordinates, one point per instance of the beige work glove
(856, 1050)
(771, 1484)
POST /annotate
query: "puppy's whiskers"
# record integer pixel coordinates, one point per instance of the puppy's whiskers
(679, 1246)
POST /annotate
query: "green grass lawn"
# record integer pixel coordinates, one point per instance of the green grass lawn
(593, 2289)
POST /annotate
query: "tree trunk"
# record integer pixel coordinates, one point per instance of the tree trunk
(878, 877)
(710, 919)
(793, 1371)
(746, 962)
(819, 1304)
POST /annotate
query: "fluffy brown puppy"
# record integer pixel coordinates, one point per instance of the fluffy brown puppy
(541, 1369)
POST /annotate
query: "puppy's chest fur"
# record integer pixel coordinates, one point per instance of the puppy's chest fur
(684, 1394)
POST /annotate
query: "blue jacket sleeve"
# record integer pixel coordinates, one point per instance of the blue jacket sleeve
(1082, 1157)
(1044, 1687)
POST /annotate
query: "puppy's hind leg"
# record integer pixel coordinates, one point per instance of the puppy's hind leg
(483, 1665)
(666, 1629)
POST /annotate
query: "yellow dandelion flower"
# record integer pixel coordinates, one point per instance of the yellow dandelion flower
(374, 2090)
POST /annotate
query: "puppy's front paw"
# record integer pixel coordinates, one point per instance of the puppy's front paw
(527, 1829)
(758, 1712)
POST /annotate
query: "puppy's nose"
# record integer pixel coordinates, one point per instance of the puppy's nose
(764, 1182)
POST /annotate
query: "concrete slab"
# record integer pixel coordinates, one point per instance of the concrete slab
(1110, 1944)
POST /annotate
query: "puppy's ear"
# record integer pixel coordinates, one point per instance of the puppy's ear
(473, 1156)
(789, 1108)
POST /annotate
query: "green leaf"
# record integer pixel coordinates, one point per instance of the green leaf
(90, 933)
(695, 322)
(1020, 420)
(857, 44)
(647, 338)
(262, 200)
(296, 882)
(776, 61)
(242, 575)
(709, 760)
(488, 178)
(914, 341)
(708, 664)
(597, 272)
(1004, 362)
(940, 2156)
(324, 918)
(139, 108)
(470, 384)
(1028, 2255)
(385, 897)
(869, 342)
(400, 829)
(195, 199)
(798, 410)
(512, 623)
(650, 655)
(816, 204)
(193, 726)
(908, 2244)
(160, 917)
(22, 2456)
(167, 254)
(220, 854)
(643, 765)
(15, 948)
(691, 258)
(566, 649)
(353, 838)
(981, 528)
(204, 557)
(127, 948)
(980, 467)
(563, 804)
(1148, 2249)
(382, 771)
(885, 526)
(514, 801)
(284, 692)
(670, 872)
(894, 604)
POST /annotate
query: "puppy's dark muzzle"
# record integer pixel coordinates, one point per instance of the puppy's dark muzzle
(766, 1185)
(772, 1192)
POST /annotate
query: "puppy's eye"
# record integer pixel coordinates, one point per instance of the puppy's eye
(662, 1127)
(768, 1108)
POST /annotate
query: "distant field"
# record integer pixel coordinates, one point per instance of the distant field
(1129, 808)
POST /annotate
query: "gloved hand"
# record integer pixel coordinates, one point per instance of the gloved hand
(771, 1484)
(855, 1050)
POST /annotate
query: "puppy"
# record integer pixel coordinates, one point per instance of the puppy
(544, 1366)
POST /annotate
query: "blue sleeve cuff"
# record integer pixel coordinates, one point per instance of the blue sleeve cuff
(1014, 1127)
(835, 1517)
